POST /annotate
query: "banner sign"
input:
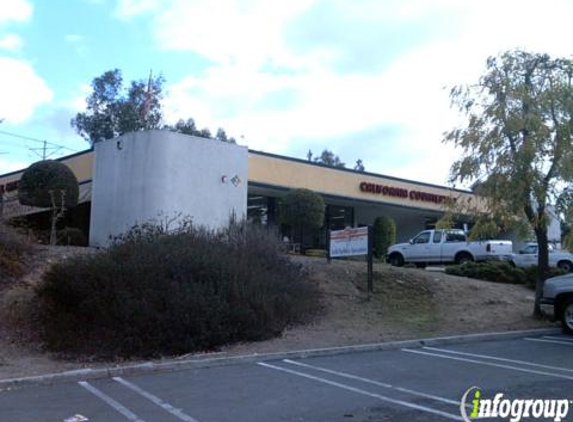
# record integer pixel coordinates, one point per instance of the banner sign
(349, 242)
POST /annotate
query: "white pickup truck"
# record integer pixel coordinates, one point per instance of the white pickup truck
(527, 257)
(447, 246)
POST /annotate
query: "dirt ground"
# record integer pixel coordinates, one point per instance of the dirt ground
(406, 304)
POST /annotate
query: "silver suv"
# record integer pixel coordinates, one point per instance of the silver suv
(558, 300)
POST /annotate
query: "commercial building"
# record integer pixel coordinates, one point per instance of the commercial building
(150, 175)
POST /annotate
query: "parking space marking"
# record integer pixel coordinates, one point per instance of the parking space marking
(496, 365)
(111, 402)
(541, 340)
(364, 392)
(156, 400)
(559, 338)
(373, 382)
(521, 362)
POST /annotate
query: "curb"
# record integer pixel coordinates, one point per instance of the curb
(175, 365)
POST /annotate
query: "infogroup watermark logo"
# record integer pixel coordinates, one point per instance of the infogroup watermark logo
(474, 406)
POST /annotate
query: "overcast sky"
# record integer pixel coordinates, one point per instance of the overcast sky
(366, 79)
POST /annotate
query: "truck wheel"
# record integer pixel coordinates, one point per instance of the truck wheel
(396, 260)
(566, 266)
(567, 316)
(463, 257)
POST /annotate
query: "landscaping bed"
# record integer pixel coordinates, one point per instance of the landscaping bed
(406, 304)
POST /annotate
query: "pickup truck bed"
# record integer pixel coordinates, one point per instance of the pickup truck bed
(447, 246)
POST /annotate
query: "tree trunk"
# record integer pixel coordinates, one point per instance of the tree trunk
(53, 227)
(542, 267)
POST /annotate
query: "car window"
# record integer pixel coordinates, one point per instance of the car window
(423, 237)
(437, 237)
(530, 249)
(455, 236)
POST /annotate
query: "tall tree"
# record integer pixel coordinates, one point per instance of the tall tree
(359, 166)
(188, 127)
(516, 140)
(222, 136)
(113, 110)
(330, 159)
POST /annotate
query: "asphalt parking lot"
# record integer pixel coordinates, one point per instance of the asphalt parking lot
(413, 384)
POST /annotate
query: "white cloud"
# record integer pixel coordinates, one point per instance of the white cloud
(128, 8)
(248, 42)
(78, 102)
(11, 42)
(15, 10)
(7, 165)
(78, 42)
(22, 90)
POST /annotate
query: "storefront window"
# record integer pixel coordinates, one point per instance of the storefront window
(337, 217)
(261, 210)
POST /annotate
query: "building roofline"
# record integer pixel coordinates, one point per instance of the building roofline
(365, 173)
(65, 157)
(296, 160)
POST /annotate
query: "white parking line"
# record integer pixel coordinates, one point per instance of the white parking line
(116, 405)
(541, 340)
(373, 382)
(568, 339)
(164, 405)
(364, 392)
(496, 365)
(521, 362)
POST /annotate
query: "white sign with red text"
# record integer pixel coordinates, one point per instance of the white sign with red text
(349, 242)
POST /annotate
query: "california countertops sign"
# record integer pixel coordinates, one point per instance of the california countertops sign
(414, 195)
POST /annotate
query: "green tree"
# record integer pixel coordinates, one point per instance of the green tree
(188, 127)
(113, 110)
(516, 140)
(447, 221)
(49, 184)
(222, 136)
(328, 158)
(302, 208)
(384, 235)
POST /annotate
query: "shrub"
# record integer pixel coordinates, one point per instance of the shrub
(498, 271)
(302, 207)
(13, 250)
(45, 176)
(72, 236)
(531, 275)
(153, 293)
(384, 235)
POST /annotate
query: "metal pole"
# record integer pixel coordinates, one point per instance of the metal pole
(370, 257)
(328, 257)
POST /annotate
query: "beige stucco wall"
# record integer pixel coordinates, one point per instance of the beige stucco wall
(81, 165)
(269, 170)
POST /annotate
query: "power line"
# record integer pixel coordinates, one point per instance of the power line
(47, 150)
(43, 141)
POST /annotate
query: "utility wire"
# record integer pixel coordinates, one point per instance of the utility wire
(28, 138)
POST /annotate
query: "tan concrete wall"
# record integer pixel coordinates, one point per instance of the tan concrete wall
(296, 174)
(81, 165)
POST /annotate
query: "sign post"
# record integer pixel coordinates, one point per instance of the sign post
(352, 242)
(370, 258)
